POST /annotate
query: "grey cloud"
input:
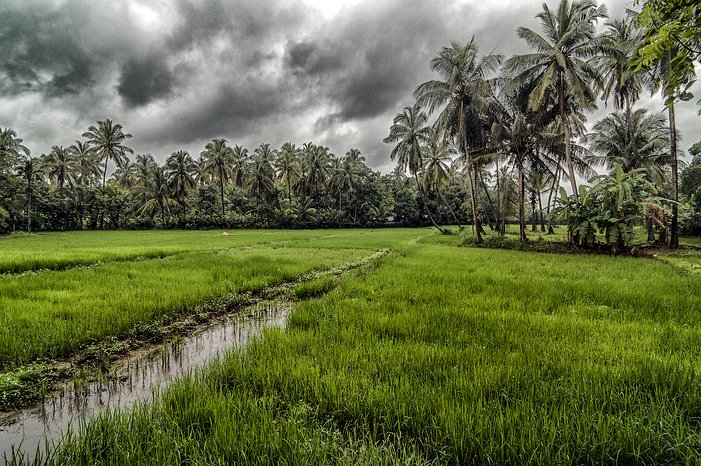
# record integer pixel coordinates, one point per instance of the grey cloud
(145, 79)
(38, 44)
(247, 70)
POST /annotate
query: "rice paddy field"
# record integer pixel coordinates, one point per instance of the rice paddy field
(433, 354)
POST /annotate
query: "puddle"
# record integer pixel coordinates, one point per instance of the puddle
(138, 378)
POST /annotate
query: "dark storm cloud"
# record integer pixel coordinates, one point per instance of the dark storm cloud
(145, 79)
(40, 51)
(368, 61)
(178, 73)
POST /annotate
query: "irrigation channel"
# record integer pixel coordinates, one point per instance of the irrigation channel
(33, 430)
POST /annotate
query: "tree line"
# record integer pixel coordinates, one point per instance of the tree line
(526, 115)
(491, 140)
(224, 186)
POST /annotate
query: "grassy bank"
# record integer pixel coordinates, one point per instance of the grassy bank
(445, 355)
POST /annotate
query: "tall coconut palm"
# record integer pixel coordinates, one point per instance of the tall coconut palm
(30, 172)
(355, 158)
(141, 171)
(10, 146)
(218, 156)
(86, 163)
(437, 158)
(202, 176)
(239, 160)
(621, 83)
(345, 176)
(318, 169)
(410, 131)
(611, 143)
(463, 93)
(126, 176)
(158, 194)
(107, 139)
(661, 79)
(59, 166)
(261, 180)
(287, 167)
(562, 61)
(180, 171)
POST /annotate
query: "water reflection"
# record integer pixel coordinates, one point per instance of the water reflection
(137, 378)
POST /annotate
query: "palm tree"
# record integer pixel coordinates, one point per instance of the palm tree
(10, 146)
(611, 142)
(563, 62)
(107, 139)
(126, 176)
(463, 92)
(180, 172)
(345, 176)
(261, 183)
(660, 79)
(86, 162)
(355, 158)
(59, 166)
(218, 163)
(30, 173)
(202, 176)
(141, 173)
(157, 193)
(410, 131)
(621, 82)
(318, 169)
(437, 158)
(287, 167)
(239, 160)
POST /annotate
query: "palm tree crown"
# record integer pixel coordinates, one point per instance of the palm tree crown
(107, 139)
(562, 62)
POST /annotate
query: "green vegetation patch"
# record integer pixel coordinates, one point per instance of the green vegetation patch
(445, 355)
(48, 315)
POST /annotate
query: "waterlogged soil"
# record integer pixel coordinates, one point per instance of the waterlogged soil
(138, 376)
(114, 374)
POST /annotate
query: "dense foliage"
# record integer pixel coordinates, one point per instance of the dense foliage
(485, 357)
(225, 186)
(489, 141)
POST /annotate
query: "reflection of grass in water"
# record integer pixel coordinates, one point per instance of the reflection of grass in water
(445, 355)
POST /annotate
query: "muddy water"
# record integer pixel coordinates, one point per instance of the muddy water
(137, 378)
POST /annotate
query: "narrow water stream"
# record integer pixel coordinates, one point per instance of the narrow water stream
(137, 378)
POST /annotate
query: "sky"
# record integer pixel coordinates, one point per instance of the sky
(178, 73)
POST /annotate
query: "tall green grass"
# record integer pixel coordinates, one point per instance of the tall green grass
(445, 355)
(48, 315)
(56, 251)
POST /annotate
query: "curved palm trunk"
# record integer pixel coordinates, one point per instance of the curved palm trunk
(521, 201)
(473, 201)
(423, 200)
(566, 128)
(501, 223)
(674, 238)
(29, 206)
(221, 190)
(542, 215)
(534, 210)
(631, 139)
(551, 200)
(489, 201)
(450, 209)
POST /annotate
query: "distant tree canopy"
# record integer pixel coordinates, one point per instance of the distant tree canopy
(490, 140)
